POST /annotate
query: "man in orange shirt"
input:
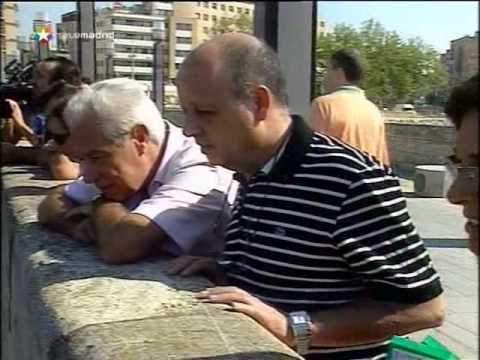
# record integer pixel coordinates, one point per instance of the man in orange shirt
(345, 112)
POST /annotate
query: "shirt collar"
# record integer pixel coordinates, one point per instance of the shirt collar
(283, 165)
(350, 88)
(270, 164)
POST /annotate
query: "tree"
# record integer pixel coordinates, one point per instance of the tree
(241, 22)
(397, 70)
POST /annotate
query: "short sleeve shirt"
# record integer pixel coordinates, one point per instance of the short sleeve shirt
(186, 198)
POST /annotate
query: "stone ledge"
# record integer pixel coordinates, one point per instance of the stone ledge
(60, 302)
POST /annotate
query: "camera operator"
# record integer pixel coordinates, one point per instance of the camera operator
(47, 74)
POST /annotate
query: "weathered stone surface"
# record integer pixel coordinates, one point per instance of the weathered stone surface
(60, 302)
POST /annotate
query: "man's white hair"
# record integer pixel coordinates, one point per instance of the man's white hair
(117, 105)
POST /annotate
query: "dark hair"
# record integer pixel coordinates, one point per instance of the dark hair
(86, 80)
(350, 61)
(255, 63)
(59, 95)
(462, 100)
(64, 69)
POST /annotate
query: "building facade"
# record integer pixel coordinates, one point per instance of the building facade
(8, 34)
(461, 60)
(199, 20)
(127, 48)
(65, 38)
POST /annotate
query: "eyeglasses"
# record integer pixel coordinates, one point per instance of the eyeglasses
(465, 177)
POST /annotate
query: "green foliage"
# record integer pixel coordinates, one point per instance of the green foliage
(241, 22)
(398, 71)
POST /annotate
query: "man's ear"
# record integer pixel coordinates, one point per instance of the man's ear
(263, 99)
(140, 137)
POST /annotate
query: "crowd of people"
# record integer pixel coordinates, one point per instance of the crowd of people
(299, 223)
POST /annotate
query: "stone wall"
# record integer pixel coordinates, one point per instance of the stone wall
(410, 142)
(60, 302)
(418, 144)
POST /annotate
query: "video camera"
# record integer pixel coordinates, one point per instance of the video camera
(19, 87)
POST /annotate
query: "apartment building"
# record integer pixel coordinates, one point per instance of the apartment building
(65, 30)
(461, 60)
(197, 19)
(125, 40)
(8, 34)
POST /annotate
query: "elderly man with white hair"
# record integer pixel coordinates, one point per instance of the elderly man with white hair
(146, 189)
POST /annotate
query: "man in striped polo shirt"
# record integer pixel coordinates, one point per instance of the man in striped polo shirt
(320, 249)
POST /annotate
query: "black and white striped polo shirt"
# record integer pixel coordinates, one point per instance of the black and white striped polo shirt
(326, 226)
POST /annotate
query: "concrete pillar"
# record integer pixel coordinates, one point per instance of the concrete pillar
(86, 47)
(289, 28)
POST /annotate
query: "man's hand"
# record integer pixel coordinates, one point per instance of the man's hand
(189, 265)
(78, 212)
(242, 302)
(84, 232)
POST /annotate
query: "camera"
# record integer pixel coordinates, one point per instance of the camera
(18, 88)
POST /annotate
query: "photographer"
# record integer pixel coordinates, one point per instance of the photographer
(47, 74)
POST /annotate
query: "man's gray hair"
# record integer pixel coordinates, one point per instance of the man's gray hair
(247, 61)
(255, 63)
(117, 105)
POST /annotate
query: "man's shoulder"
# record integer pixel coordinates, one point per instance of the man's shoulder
(334, 153)
(325, 99)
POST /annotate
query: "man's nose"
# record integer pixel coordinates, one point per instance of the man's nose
(89, 174)
(190, 126)
(456, 195)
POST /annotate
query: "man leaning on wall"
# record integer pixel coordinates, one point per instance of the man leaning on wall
(146, 189)
(320, 249)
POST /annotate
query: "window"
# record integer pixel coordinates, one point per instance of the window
(181, 53)
(322, 24)
(214, 5)
(197, 15)
(205, 30)
(125, 35)
(230, 8)
(184, 40)
(205, 17)
(187, 27)
(247, 11)
(214, 18)
(144, 77)
(205, 4)
(239, 10)
(223, 7)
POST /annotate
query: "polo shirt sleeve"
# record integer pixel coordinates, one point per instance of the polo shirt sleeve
(376, 236)
(190, 207)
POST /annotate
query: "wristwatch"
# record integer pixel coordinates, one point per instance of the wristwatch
(299, 322)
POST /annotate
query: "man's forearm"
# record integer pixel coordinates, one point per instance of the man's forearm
(123, 237)
(52, 211)
(370, 321)
(107, 215)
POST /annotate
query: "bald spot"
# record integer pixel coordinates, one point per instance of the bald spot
(209, 55)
